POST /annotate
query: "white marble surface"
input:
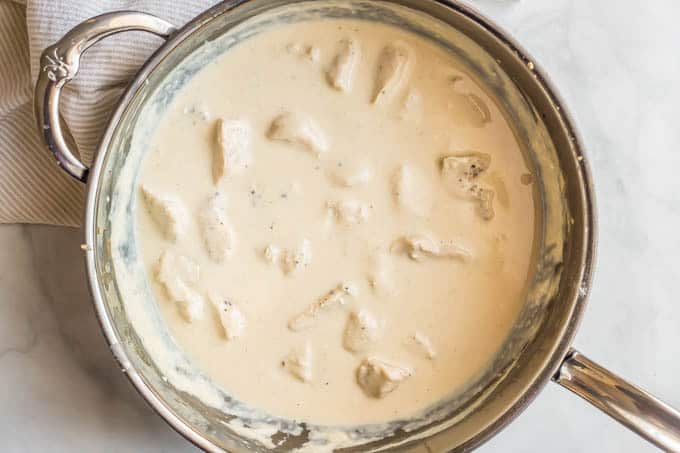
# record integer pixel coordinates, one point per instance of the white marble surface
(617, 65)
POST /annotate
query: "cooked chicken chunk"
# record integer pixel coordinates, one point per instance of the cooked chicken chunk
(298, 258)
(352, 174)
(231, 318)
(472, 109)
(177, 274)
(232, 153)
(299, 363)
(461, 177)
(218, 235)
(311, 53)
(380, 277)
(425, 345)
(340, 74)
(485, 206)
(394, 68)
(300, 130)
(177, 267)
(197, 111)
(272, 253)
(362, 331)
(335, 298)
(168, 214)
(412, 190)
(475, 104)
(289, 260)
(377, 378)
(420, 247)
(349, 212)
(412, 106)
(462, 171)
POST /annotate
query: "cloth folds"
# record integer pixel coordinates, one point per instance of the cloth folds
(33, 189)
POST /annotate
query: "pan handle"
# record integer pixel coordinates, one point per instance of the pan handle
(59, 64)
(629, 405)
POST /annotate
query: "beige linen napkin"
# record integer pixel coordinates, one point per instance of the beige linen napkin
(32, 188)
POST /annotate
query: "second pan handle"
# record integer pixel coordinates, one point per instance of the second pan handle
(629, 405)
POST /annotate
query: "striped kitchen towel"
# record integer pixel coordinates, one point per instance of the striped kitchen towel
(32, 188)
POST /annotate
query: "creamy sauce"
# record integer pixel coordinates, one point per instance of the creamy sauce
(336, 222)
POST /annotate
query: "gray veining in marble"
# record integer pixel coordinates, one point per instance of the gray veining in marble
(617, 64)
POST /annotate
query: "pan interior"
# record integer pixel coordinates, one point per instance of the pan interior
(560, 252)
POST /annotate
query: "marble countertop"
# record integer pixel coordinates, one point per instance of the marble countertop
(616, 64)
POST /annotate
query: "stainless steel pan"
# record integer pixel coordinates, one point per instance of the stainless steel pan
(537, 351)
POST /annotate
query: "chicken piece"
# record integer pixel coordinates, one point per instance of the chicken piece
(299, 362)
(412, 190)
(172, 268)
(300, 130)
(311, 53)
(461, 172)
(192, 306)
(420, 247)
(461, 177)
(295, 259)
(197, 111)
(340, 74)
(218, 235)
(394, 68)
(362, 331)
(425, 345)
(352, 175)
(232, 153)
(272, 253)
(412, 106)
(485, 204)
(380, 276)
(335, 298)
(472, 109)
(475, 104)
(289, 260)
(377, 378)
(232, 319)
(168, 214)
(177, 274)
(349, 212)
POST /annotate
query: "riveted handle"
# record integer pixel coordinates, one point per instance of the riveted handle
(629, 405)
(59, 64)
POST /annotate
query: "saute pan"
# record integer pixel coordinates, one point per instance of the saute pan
(535, 352)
